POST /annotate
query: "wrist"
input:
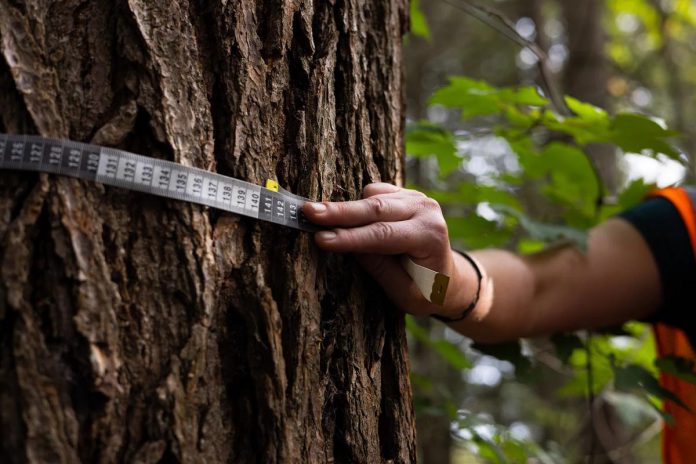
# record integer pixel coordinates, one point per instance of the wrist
(465, 289)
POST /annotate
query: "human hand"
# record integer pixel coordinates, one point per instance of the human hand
(388, 222)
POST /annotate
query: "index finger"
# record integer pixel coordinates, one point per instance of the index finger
(380, 208)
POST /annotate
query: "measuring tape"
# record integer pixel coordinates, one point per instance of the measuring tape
(172, 180)
(158, 177)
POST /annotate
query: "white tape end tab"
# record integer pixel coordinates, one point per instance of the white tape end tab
(432, 284)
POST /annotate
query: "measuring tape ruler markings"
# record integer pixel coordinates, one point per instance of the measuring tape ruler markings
(150, 175)
(119, 168)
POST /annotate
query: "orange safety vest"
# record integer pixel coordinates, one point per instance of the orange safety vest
(679, 440)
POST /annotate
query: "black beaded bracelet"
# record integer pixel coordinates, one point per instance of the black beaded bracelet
(473, 304)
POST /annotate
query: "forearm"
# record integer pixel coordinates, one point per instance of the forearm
(561, 289)
(506, 294)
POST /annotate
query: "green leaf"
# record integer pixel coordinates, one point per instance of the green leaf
(424, 140)
(501, 448)
(529, 246)
(602, 372)
(566, 344)
(634, 193)
(587, 127)
(447, 350)
(578, 384)
(515, 450)
(470, 193)
(571, 180)
(452, 354)
(679, 367)
(419, 25)
(478, 98)
(416, 331)
(634, 377)
(520, 119)
(474, 98)
(489, 450)
(421, 382)
(586, 111)
(547, 232)
(636, 134)
(631, 132)
(526, 96)
(667, 417)
(475, 232)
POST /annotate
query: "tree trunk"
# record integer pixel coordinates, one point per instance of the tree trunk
(139, 329)
(587, 72)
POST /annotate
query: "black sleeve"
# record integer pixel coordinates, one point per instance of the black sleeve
(661, 225)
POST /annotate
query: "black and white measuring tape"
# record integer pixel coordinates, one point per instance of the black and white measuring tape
(158, 177)
(173, 180)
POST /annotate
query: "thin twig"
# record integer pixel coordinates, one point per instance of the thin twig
(503, 25)
(590, 396)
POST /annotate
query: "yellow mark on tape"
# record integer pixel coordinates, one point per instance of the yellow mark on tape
(272, 185)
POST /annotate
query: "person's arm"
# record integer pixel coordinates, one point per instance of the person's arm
(560, 289)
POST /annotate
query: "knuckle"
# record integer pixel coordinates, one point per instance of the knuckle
(418, 193)
(429, 204)
(383, 231)
(336, 207)
(438, 227)
(378, 206)
(345, 237)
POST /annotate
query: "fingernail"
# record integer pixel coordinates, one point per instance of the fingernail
(326, 235)
(318, 208)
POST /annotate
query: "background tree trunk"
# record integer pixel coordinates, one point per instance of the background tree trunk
(138, 329)
(585, 77)
(587, 72)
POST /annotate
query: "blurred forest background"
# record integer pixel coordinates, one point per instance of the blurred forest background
(517, 165)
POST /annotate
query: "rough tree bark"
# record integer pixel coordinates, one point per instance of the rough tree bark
(138, 329)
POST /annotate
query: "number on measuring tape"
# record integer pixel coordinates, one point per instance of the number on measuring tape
(194, 187)
(17, 152)
(108, 166)
(90, 162)
(72, 156)
(164, 178)
(33, 153)
(177, 181)
(210, 188)
(126, 170)
(239, 195)
(144, 173)
(252, 201)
